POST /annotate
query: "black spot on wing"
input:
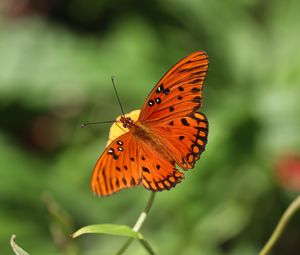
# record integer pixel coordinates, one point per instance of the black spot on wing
(158, 100)
(181, 137)
(196, 81)
(150, 102)
(160, 88)
(111, 151)
(166, 91)
(145, 169)
(197, 99)
(117, 183)
(195, 89)
(190, 69)
(184, 122)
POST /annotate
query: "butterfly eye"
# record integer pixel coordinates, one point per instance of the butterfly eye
(120, 142)
(120, 148)
(157, 100)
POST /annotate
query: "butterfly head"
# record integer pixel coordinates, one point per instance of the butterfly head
(127, 122)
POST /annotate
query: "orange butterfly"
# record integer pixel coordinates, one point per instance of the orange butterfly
(167, 131)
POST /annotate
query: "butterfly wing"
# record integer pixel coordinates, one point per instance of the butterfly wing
(179, 92)
(170, 111)
(158, 172)
(118, 166)
(129, 162)
(184, 137)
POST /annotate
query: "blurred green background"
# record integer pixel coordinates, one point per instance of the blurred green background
(56, 59)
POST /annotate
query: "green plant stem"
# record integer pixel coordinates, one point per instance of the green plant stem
(137, 226)
(284, 220)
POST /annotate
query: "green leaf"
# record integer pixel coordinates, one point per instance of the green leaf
(17, 249)
(110, 229)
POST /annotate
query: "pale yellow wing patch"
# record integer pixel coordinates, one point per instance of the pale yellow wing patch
(117, 128)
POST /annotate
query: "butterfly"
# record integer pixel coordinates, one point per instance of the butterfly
(168, 130)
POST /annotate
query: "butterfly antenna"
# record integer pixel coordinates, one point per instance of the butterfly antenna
(100, 122)
(120, 127)
(113, 82)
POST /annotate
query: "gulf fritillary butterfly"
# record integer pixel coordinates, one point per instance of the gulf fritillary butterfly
(167, 131)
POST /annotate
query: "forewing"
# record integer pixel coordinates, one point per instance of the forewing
(179, 92)
(118, 167)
